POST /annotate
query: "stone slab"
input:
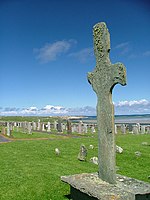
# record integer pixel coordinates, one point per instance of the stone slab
(90, 187)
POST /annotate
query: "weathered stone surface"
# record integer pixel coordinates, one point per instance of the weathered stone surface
(119, 149)
(91, 187)
(82, 153)
(103, 79)
(69, 130)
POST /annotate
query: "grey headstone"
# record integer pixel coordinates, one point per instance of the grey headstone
(55, 125)
(83, 153)
(123, 128)
(135, 129)
(69, 129)
(48, 126)
(8, 129)
(80, 127)
(59, 126)
(85, 129)
(142, 129)
(93, 129)
(29, 128)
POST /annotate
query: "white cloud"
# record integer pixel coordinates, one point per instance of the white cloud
(28, 111)
(83, 55)
(52, 110)
(133, 103)
(51, 51)
(123, 107)
(133, 107)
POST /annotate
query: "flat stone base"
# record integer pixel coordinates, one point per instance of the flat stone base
(91, 187)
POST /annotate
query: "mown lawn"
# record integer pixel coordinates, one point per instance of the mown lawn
(31, 170)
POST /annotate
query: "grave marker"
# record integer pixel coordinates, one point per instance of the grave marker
(103, 80)
(8, 129)
(48, 127)
(69, 128)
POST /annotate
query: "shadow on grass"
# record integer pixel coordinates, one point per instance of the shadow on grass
(68, 196)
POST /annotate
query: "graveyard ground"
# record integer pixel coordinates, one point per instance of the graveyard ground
(31, 170)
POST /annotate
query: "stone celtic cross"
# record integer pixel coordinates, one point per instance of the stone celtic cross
(104, 77)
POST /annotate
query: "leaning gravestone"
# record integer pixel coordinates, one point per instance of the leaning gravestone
(106, 185)
(82, 153)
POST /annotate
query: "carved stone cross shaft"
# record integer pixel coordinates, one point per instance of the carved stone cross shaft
(104, 77)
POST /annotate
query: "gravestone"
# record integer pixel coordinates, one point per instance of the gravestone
(48, 126)
(69, 129)
(55, 125)
(39, 125)
(135, 129)
(80, 127)
(8, 129)
(148, 129)
(130, 128)
(105, 185)
(59, 126)
(139, 127)
(29, 128)
(85, 128)
(63, 127)
(82, 153)
(93, 129)
(73, 128)
(123, 128)
(43, 127)
(34, 125)
(142, 129)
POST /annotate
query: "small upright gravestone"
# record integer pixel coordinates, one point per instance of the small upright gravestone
(83, 153)
(80, 127)
(8, 129)
(29, 128)
(69, 129)
(48, 126)
(106, 185)
(59, 126)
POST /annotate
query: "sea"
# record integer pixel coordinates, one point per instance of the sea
(127, 119)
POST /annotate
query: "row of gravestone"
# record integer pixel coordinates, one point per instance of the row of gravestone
(134, 129)
(29, 127)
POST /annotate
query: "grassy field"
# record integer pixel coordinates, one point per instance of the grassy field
(28, 118)
(31, 170)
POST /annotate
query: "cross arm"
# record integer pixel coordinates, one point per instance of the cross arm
(119, 74)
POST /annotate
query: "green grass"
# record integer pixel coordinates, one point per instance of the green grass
(31, 170)
(27, 118)
(21, 135)
(53, 134)
(129, 163)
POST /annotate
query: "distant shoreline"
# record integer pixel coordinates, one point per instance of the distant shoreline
(120, 119)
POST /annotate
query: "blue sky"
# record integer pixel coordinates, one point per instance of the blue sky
(46, 50)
